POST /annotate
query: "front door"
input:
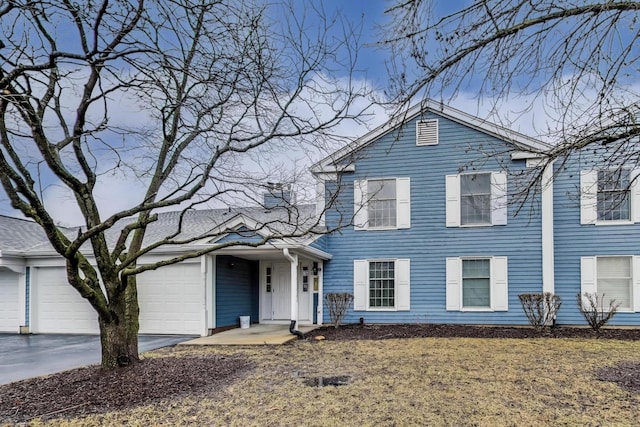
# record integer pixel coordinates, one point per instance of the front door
(281, 298)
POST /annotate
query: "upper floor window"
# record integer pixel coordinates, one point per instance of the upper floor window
(381, 204)
(613, 195)
(477, 199)
(609, 196)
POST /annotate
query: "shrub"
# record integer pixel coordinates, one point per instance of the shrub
(338, 303)
(540, 308)
(594, 311)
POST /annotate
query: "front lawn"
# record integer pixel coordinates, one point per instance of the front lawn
(417, 381)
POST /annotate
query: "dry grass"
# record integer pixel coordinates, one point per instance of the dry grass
(427, 381)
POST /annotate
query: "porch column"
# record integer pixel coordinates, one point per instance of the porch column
(293, 259)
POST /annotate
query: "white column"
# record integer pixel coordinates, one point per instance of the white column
(320, 291)
(293, 259)
(548, 258)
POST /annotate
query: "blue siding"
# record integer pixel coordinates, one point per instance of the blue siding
(237, 290)
(320, 243)
(241, 235)
(428, 242)
(573, 240)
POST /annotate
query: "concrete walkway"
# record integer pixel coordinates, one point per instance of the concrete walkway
(260, 334)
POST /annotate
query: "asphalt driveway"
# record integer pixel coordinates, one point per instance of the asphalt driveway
(28, 356)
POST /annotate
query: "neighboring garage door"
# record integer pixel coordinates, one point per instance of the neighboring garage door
(58, 307)
(171, 300)
(9, 301)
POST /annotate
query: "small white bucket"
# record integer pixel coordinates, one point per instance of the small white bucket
(245, 321)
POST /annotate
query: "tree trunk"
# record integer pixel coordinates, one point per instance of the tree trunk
(118, 336)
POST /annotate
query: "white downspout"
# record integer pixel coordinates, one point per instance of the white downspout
(293, 259)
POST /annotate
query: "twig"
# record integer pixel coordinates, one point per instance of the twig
(60, 410)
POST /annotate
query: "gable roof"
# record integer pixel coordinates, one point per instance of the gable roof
(19, 235)
(524, 143)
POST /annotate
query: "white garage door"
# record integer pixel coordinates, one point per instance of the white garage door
(9, 302)
(58, 307)
(171, 300)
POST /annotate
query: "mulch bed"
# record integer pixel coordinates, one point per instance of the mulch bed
(380, 332)
(91, 390)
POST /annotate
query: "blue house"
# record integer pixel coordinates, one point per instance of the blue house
(425, 227)
(435, 235)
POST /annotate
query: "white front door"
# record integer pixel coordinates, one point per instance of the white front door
(281, 298)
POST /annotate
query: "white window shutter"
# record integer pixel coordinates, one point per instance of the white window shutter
(499, 198)
(360, 215)
(453, 284)
(403, 202)
(452, 188)
(427, 132)
(587, 277)
(499, 283)
(635, 195)
(635, 291)
(360, 273)
(403, 285)
(588, 196)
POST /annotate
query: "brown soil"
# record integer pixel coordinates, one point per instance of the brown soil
(91, 390)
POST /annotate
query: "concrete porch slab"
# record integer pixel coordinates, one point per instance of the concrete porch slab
(259, 334)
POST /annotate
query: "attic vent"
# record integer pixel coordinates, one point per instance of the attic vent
(427, 132)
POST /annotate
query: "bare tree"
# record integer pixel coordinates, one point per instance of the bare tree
(210, 82)
(577, 60)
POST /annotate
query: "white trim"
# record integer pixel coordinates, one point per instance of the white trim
(320, 292)
(452, 203)
(499, 214)
(403, 203)
(547, 225)
(453, 285)
(498, 284)
(402, 284)
(211, 300)
(293, 259)
(203, 288)
(360, 274)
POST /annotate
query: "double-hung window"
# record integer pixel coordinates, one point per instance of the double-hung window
(609, 196)
(476, 199)
(613, 195)
(612, 278)
(382, 204)
(477, 284)
(381, 284)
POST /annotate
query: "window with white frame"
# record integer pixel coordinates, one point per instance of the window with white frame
(612, 278)
(610, 196)
(613, 195)
(382, 204)
(478, 199)
(381, 284)
(475, 199)
(477, 284)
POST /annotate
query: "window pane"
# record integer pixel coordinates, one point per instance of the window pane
(382, 284)
(382, 203)
(614, 281)
(475, 199)
(476, 283)
(613, 195)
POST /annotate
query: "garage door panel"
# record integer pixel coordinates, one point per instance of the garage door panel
(9, 302)
(171, 300)
(59, 308)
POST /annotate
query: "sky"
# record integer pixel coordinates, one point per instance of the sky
(370, 17)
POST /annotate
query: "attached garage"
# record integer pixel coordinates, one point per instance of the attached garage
(58, 307)
(9, 301)
(171, 300)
